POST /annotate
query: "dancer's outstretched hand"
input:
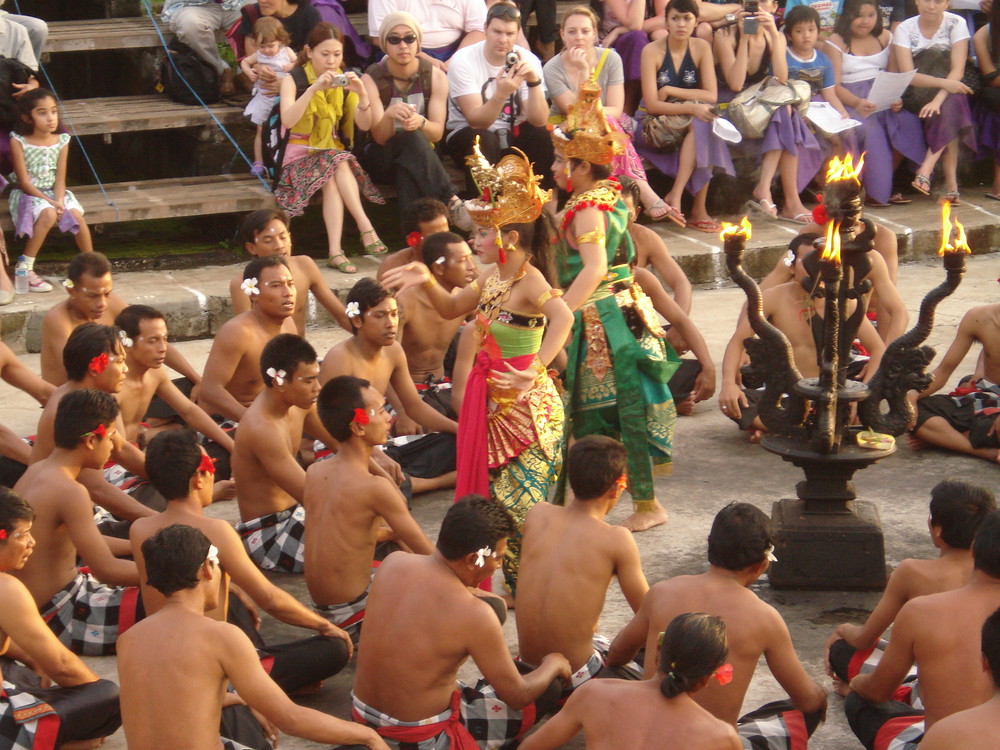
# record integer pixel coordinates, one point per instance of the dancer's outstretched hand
(411, 275)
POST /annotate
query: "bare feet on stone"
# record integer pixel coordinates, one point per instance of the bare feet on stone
(642, 520)
(686, 407)
(224, 490)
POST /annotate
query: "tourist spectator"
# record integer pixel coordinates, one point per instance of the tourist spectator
(274, 56)
(447, 27)
(322, 119)
(678, 78)
(577, 62)
(502, 105)
(195, 23)
(38, 30)
(860, 49)
(936, 44)
(414, 97)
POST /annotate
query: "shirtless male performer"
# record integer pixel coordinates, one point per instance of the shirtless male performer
(175, 665)
(940, 633)
(84, 610)
(94, 358)
(957, 509)
(739, 552)
(423, 622)
(789, 308)
(145, 343)
(424, 217)
(271, 480)
(965, 421)
(347, 505)
(89, 300)
(232, 378)
(974, 728)
(569, 556)
(265, 232)
(373, 354)
(183, 473)
(15, 452)
(78, 707)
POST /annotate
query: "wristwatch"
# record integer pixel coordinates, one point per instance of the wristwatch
(730, 19)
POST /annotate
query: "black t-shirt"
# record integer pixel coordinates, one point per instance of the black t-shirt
(298, 24)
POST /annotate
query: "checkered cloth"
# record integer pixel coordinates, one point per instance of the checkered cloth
(864, 662)
(776, 726)
(348, 617)
(118, 476)
(902, 733)
(274, 541)
(630, 670)
(87, 616)
(983, 395)
(475, 719)
(26, 723)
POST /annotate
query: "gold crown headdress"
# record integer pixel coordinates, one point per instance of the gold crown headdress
(585, 133)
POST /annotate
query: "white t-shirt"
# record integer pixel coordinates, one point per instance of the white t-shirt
(470, 73)
(953, 29)
(442, 22)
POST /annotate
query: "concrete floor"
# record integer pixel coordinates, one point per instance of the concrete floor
(713, 466)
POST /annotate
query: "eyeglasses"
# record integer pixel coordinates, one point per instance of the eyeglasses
(503, 10)
(394, 40)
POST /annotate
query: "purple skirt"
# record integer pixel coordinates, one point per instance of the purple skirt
(787, 131)
(879, 135)
(987, 131)
(711, 154)
(955, 121)
(629, 46)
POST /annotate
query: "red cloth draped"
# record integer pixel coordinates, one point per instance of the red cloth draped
(458, 735)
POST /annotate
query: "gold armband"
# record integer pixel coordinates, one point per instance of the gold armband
(548, 294)
(595, 237)
(474, 286)
(429, 281)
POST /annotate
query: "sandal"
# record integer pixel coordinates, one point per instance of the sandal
(709, 226)
(764, 207)
(374, 248)
(897, 199)
(921, 183)
(953, 198)
(663, 210)
(344, 266)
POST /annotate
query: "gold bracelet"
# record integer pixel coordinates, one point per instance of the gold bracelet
(474, 286)
(595, 237)
(547, 295)
(429, 281)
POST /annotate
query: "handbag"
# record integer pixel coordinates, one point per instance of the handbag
(666, 132)
(751, 110)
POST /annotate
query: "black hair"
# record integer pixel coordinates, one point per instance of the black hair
(436, 246)
(13, 508)
(286, 351)
(321, 32)
(27, 102)
(86, 342)
(693, 646)
(172, 458)
(597, 171)
(173, 556)
(255, 267)
(336, 404)
(472, 523)
(798, 15)
(367, 293)
(681, 6)
(630, 189)
(532, 236)
(132, 316)
(986, 545)
(595, 463)
(807, 238)
(421, 211)
(958, 507)
(82, 411)
(991, 645)
(740, 537)
(256, 222)
(93, 264)
(852, 9)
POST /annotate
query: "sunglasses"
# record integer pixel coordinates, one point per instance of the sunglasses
(503, 11)
(394, 40)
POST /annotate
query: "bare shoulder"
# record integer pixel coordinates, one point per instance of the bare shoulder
(700, 47)
(115, 304)
(57, 318)
(983, 319)
(306, 266)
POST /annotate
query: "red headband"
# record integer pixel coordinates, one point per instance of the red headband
(3, 535)
(99, 363)
(100, 431)
(207, 464)
(360, 417)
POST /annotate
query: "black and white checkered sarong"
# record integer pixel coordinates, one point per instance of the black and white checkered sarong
(86, 615)
(274, 541)
(24, 718)
(776, 726)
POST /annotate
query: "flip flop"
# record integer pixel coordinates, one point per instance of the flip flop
(921, 183)
(897, 199)
(953, 198)
(763, 207)
(803, 218)
(663, 210)
(709, 226)
(992, 196)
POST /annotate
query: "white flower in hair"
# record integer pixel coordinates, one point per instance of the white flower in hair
(770, 554)
(353, 310)
(278, 376)
(249, 287)
(790, 258)
(439, 261)
(481, 555)
(68, 283)
(126, 341)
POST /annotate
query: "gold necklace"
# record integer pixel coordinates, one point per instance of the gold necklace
(496, 291)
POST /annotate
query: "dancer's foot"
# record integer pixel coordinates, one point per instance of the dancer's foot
(685, 408)
(646, 519)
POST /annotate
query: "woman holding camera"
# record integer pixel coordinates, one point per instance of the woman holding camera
(321, 117)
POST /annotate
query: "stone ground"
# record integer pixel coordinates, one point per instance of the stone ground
(714, 465)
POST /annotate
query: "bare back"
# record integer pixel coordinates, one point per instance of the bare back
(259, 493)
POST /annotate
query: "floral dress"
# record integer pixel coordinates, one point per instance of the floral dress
(41, 163)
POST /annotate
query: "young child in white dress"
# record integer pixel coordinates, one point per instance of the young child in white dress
(274, 53)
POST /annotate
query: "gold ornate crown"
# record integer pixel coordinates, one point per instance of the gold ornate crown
(585, 133)
(509, 192)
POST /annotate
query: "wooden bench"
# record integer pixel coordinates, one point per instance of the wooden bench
(119, 114)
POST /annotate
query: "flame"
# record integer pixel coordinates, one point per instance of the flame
(844, 170)
(831, 249)
(742, 229)
(960, 245)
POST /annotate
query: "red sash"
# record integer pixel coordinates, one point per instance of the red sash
(458, 735)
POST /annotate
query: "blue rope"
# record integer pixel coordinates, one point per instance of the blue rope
(79, 141)
(163, 41)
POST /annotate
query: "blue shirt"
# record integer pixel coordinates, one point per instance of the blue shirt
(817, 72)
